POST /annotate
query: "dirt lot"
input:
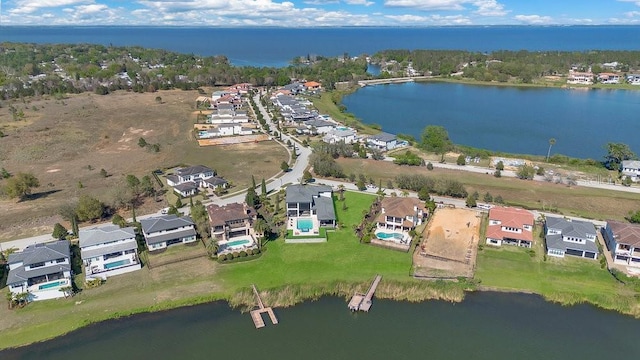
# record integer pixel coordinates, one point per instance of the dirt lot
(65, 143)
(449, 244)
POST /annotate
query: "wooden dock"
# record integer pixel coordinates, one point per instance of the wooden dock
(256, 315)
(362, 302)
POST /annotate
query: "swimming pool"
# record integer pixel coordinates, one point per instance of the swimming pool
(304, 225)
(389, 236)
(237, 243)
(117, 263)
(51, 285)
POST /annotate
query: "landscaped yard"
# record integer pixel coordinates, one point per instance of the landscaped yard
(566, 280)
(341, 258)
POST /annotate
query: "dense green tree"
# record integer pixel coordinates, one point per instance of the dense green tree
(251, 198)
(284, 166)
(525, 172)
(59, 232)
(436, 139)
(306, 176)
(361, 185)
(461, 160)
(89, 208)
(634, 217)
(500, 166)
(21, 185)
(616, 154)
(118, 220)
(471, 201)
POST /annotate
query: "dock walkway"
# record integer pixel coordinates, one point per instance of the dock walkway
(256, 315)
(362, 302)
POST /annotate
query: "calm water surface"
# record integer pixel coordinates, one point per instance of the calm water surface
(509, 119)
(485, 326)
(278, 46)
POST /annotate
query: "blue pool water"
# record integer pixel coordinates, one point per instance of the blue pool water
(387, 236)
(50, 285)
(117, 263)
(305, 225)
(237, 243)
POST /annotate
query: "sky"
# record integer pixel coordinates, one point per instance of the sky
(314, 13)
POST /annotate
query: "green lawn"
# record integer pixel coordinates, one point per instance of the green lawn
(566, 280)
(341, 258)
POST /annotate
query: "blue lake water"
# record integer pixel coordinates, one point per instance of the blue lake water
(485, 326)
(509, 119)
(278, 46)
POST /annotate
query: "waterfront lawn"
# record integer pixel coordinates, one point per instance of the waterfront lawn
(341, 258)
(565, 280)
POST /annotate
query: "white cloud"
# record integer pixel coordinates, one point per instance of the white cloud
(632, 14)
(637, 2)
(31, 6)
(359, 2)
(534, 19)
(484, 7)
(489, 8)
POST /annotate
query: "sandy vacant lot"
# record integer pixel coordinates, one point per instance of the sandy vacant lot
(449, 244)
(65, 143)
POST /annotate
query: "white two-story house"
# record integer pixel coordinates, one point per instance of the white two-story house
(570, 237)
(623, 240)
(163, 231)
(510, 226)
(383, 141)
(337, 135)
(109, 250)
(186, 181)
(311, 200)
(41, 271)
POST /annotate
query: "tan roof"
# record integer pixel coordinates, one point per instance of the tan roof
(510, 217)
(220, 215)
(625, 233)
(400, 207)
(311, 84)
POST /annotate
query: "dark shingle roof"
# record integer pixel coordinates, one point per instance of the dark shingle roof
(170, 236)
(324, 208)
(38, 253)
(297, 193)
(193, 170)
(165, 222)
(383, 136)
(574, 228)
(219, 215)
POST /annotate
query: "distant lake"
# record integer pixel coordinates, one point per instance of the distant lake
(491, 326)
(508, 119)
(278, 46)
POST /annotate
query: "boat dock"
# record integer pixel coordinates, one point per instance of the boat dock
(256, 315)
(362, 302)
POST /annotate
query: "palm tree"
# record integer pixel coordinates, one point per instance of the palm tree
(552, 142)
(341, 191)
(261, 227)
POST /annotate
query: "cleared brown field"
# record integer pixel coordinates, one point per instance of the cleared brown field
(65, 143)
(577, 201)
(449, 244)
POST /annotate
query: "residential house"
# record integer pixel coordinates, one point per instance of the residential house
(240, 89)
(166, 230)
(383, 141)
(109, 250)
(609, 78)
(217, 95)
(312, 86)
(228, 129)
(510, 226)
(294, 88)
(311, 200)
(582, 78)
(401, 213)
(186, 181)
(633, 79)
(231, 221)
(623, 240)
(40, 270)
(570, 237)
(319, 126)
(216, 183)
(631, 168)
(337, 135)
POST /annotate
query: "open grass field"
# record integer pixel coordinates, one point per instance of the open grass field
(574, 201)
(568, 280)
(449, 244)
(65, 143)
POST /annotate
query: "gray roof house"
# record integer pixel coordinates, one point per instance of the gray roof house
(383, 141)
(321, 126)
(185, 181)
(631, 168)
(310, 200)
(109, 250)
(346, 135)
(41, 270)
(570, 237)
(162, 231)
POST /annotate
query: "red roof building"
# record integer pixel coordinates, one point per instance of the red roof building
(510, 226)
